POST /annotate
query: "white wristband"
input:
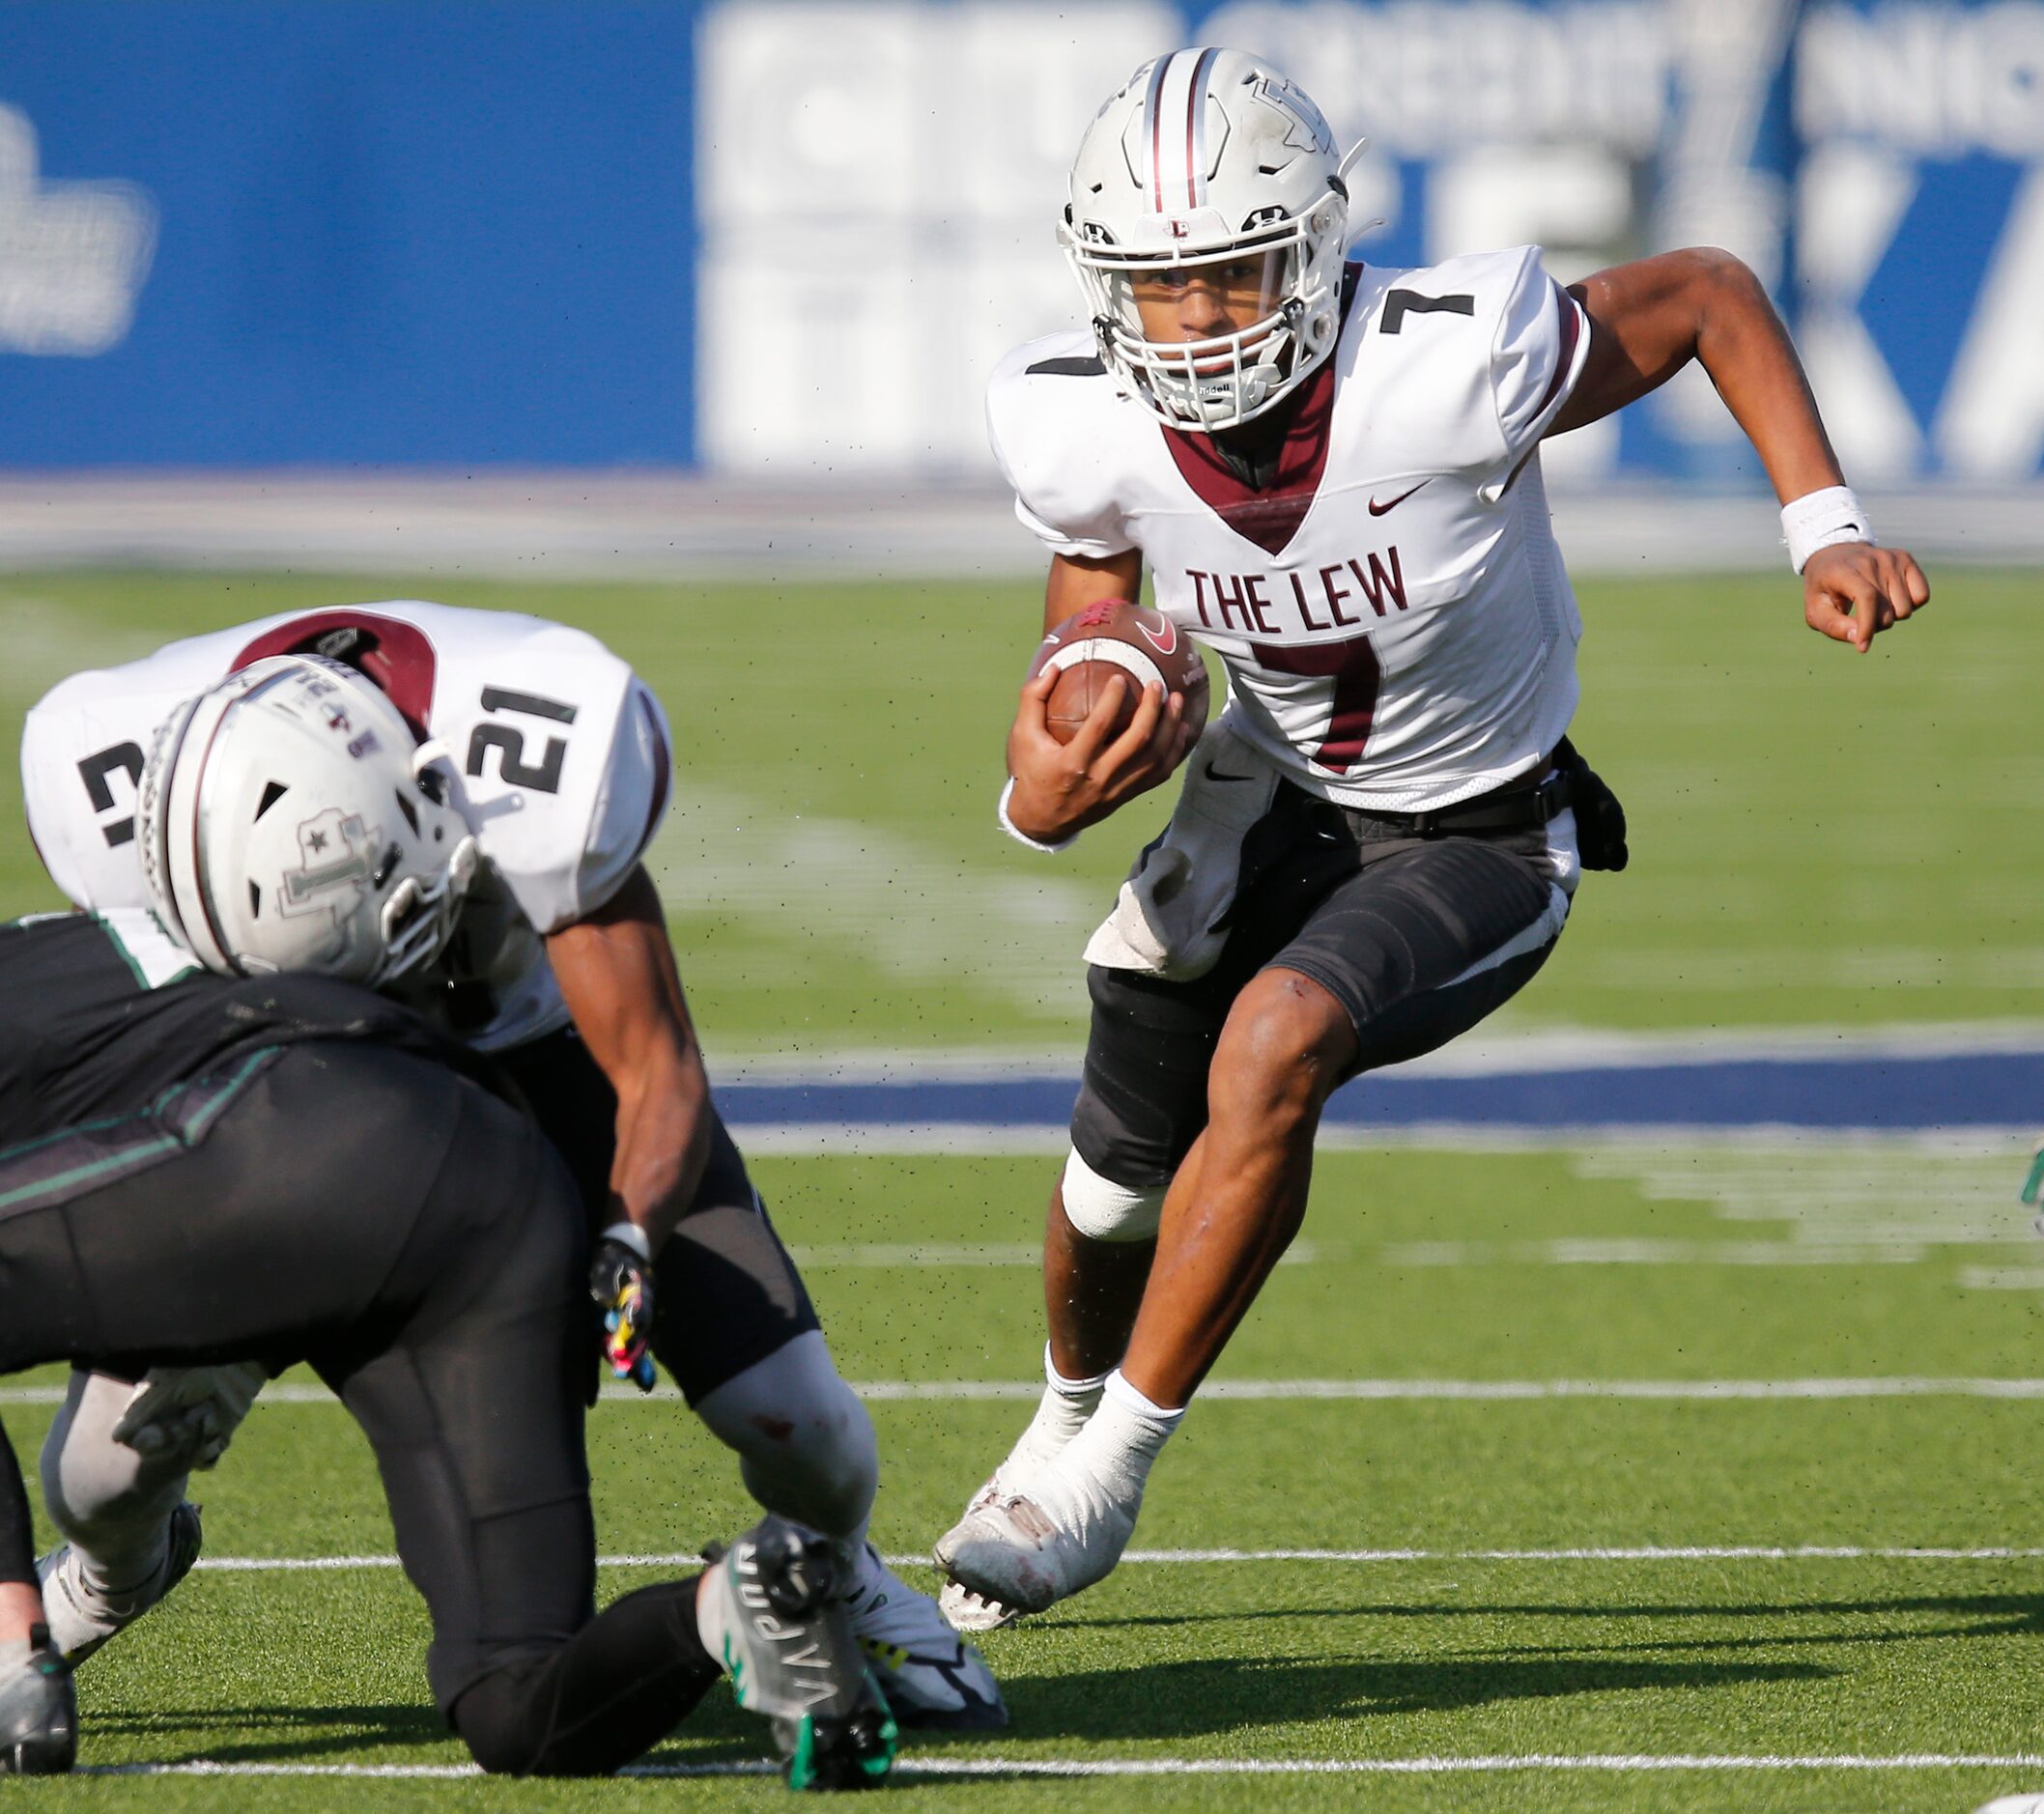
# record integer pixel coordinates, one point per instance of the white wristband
(630, 1234)
(1007, 825)
(1819, 519)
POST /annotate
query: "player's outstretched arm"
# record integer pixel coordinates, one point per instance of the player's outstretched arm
(1060, 788)
(617, 975)
(1649, 319)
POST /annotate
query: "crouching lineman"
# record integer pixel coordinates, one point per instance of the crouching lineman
(1333, 475)
(268, 1168)
(560, 967)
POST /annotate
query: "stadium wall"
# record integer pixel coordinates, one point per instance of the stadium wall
(782, 241)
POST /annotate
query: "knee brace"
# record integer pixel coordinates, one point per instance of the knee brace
(1103, 1210)
(805, 1443)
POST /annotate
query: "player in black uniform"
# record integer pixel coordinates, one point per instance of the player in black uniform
(289, 1168)
(279, 1165)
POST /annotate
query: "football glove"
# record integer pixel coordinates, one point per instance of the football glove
(182, 1418)
(621, 1282)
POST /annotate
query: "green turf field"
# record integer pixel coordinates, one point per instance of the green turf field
(1448, 1655)
(1818, 836)
(1820, 839)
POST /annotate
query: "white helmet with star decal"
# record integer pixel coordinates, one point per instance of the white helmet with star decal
(1210, 164)
(288, 820)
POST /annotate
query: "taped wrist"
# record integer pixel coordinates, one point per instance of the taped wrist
(1819, 519)
(1007, 825)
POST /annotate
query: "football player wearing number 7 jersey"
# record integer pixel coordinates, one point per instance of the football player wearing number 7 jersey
(1333, 474)
(560, 968)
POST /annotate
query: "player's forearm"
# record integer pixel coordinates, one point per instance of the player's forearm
(665, 1122)
(1741, 343)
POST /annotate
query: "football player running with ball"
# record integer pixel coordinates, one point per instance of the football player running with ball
(560, 968)
(1332, 473)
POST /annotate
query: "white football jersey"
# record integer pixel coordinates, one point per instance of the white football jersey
(562, 749)
(1397, 627)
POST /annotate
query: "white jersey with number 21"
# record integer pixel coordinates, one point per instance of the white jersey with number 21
(562, 749)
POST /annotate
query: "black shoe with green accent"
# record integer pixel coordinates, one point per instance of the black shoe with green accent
(771, 1614)
(38, 1713)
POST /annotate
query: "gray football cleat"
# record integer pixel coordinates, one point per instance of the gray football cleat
(770, 1612)
(933, 1680)
(39, 1713)
(83, 1617)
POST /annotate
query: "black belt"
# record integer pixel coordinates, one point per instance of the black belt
(1512, 810)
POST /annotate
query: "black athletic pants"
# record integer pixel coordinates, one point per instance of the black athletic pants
(419, 1243)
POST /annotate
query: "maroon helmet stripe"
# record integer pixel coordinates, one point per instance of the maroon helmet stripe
(1152, 116)
(1193, 97)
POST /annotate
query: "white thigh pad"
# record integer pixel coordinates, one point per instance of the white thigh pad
(1103, 1210)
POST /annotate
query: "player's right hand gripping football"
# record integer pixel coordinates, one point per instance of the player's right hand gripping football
(1060, 788)
(621, 1282)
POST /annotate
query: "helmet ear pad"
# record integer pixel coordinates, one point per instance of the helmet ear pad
(287, 822)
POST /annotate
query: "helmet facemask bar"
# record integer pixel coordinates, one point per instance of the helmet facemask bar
(418, 919)
(1220, 381)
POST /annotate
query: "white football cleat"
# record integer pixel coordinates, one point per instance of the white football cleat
(1061, 1531)
(1059, 1419)
(2013, 1804)
(934, 1681)
(82, 1617)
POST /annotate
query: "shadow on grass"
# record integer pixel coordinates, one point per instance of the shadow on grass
(233, 1734)
(2007, 1615)
(1190, 1699)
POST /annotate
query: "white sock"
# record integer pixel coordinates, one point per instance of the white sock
(14, 1654)
(1061, 1414)
(1122, 1439)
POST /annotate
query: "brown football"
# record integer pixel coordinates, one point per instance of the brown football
(1117, 638)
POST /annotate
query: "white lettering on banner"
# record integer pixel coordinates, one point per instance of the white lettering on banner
(877, 191)
(1426, 79)
(1991, 423)
(1933, 79)
(73, 255)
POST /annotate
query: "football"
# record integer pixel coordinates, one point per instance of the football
(1116, 637)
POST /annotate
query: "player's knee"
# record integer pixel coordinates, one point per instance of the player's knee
(804, 1442)
(99, 1494)
(1281, 1053)
(1102, 1210)
(494, 1719)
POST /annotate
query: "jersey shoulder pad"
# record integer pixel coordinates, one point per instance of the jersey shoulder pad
(1057, 427)
(563, 755)
(1522, 347)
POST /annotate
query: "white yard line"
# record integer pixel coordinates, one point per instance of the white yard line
(1169, 1558)
(1022, 1140)
(1384, 1391)
(911, 1768)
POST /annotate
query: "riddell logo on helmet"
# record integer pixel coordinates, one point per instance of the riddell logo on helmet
(1180, 229)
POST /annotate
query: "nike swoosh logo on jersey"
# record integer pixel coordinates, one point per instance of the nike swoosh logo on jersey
(1377, 509)
(1215, 775)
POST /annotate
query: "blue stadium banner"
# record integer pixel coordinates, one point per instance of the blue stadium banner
(788, 237)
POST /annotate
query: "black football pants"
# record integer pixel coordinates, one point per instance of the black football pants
(419, 1243)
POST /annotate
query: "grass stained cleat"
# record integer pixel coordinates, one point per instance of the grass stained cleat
(934, 1681)
(770, 1612)
(965, 1610)
(39, 1713)
(84, 1616)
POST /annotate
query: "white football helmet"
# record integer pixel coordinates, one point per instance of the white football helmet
(288, 821)
(1208, 157)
